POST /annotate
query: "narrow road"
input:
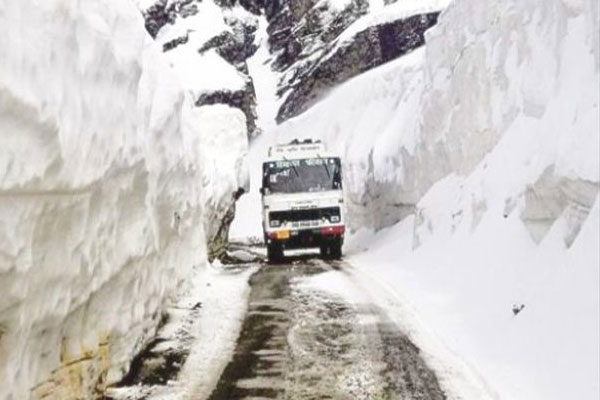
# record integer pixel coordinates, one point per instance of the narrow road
(299, 341)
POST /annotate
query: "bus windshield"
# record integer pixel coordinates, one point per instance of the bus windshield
(305, 175)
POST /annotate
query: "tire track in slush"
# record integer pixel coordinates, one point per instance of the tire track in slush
(302, 343)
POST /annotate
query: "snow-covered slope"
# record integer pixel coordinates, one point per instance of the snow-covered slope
(485, 145)
(108, 184)
(208, 45)
(317, 45)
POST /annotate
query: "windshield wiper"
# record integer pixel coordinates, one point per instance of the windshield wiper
(293, 166)
(325, 165)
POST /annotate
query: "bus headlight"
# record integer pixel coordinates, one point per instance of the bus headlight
(335, 218)
(274, 223)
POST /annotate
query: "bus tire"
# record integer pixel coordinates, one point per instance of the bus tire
(335, 251)
(331, 251)
(274, 253)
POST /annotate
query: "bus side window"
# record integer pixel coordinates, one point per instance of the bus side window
(265, 178)
(337, 175)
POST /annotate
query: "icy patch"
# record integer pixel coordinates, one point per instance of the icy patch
(333, 5)
(334, 283)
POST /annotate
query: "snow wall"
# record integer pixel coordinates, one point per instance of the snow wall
(110, 179)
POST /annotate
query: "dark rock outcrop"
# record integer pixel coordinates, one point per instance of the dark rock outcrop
(234, 47)
(368, 49)
(301, 28)
(164, 12)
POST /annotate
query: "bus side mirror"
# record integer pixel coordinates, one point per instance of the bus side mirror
(262, 191)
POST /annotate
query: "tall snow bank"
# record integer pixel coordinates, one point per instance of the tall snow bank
(511, 108)
(107, 187)
(521, 79)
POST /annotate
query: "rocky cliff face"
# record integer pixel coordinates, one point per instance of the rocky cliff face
(191, 30)
(319, 44)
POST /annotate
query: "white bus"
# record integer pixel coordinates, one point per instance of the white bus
(302, 200)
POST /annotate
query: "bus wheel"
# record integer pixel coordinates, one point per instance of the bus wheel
(335, 251)
(274, 253)
(331, 251)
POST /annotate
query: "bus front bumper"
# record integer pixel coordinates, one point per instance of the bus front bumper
(305, 238)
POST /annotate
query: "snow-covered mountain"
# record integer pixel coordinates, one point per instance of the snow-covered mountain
(314, 45)
(111, 184)
(208, 45)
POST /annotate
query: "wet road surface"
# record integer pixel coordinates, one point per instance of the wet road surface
(300, 342)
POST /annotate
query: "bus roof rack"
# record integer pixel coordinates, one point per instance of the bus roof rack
(305, 141)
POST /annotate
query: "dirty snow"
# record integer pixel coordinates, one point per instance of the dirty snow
(209, 333)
